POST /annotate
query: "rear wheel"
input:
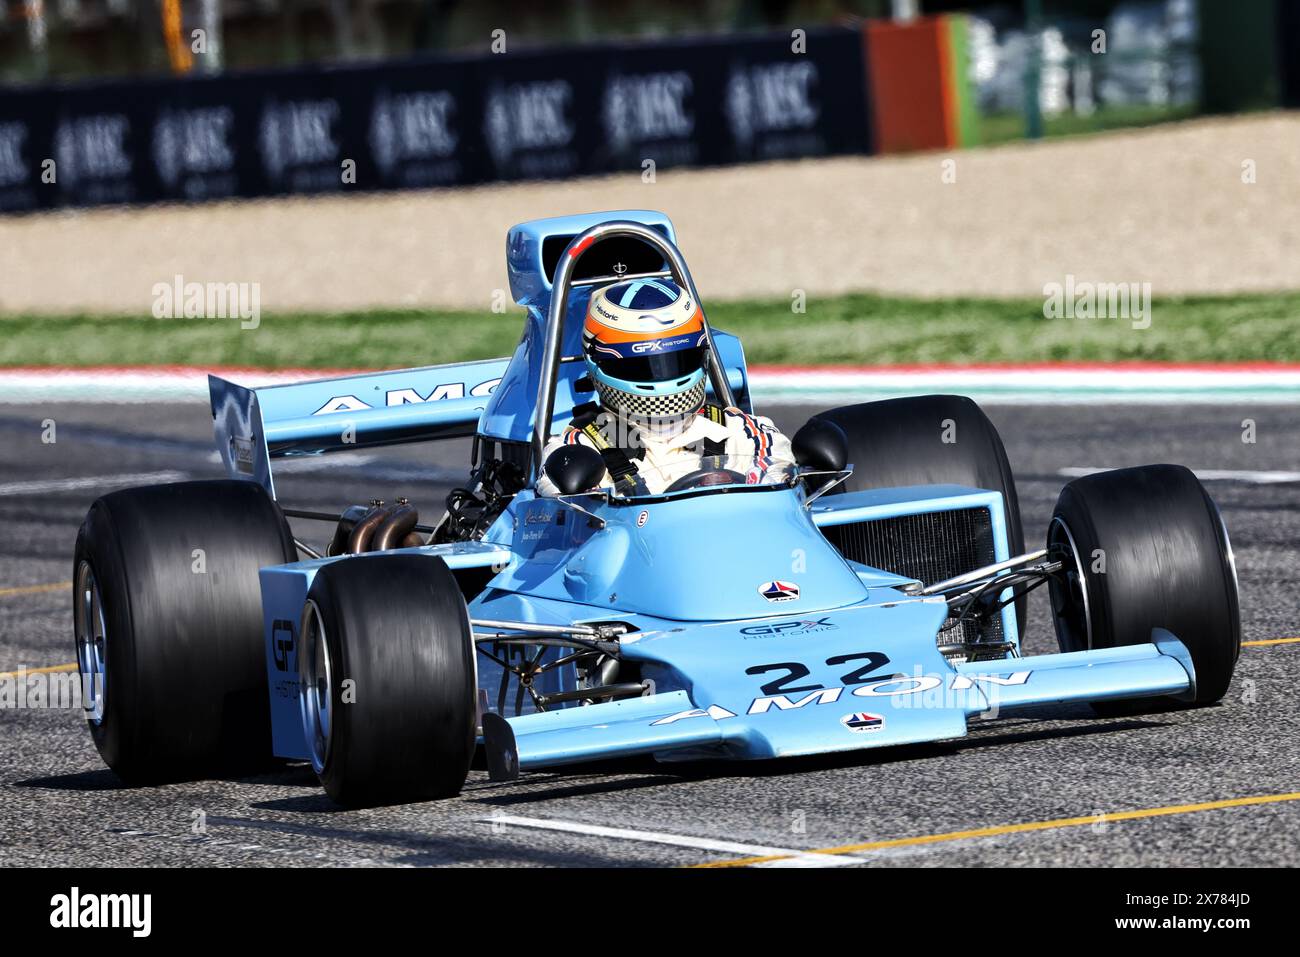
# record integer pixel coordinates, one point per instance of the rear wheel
(1146, 548)
(167, 619)
(387, 680)
(930, 440)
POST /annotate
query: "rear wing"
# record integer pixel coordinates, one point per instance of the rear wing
(254, 425)
(495, 398)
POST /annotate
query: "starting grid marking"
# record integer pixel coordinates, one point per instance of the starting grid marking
(754, 855)
(1021, 828)
(1063, 383)
(787, 857)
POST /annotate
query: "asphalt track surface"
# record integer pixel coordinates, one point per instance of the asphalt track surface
(1057, 787)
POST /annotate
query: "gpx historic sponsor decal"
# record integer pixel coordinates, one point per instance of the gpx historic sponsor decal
(779, 591)
(863, 722)
(805, 626)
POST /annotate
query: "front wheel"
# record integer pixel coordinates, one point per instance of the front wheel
(932, 440)
(387, 680)
(1146, 548)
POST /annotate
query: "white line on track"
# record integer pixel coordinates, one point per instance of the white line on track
(1211, 475)
(790, 857)
(313, 463)
(90, 481)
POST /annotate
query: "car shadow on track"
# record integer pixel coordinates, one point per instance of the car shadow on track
(628, 774)
(417, 849)
(101, 780)
(1024, 733)
(653, 774)
(294, 775)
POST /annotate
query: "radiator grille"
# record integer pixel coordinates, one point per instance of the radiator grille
(928, 547)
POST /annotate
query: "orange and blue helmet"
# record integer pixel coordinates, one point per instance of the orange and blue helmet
(644, 345)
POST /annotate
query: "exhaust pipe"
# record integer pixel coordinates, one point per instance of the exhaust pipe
(347, 522)
(398, 523)
(362, 531)
(376, 528)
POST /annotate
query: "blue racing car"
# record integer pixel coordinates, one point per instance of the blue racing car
(860, 585)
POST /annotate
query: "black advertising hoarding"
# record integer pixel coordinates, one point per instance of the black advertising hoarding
(434, 123)
(25, 138)
(710, 103)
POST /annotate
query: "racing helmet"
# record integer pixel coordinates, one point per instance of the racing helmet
(644, 344)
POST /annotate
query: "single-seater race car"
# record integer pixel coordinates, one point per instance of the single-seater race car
(870, 595)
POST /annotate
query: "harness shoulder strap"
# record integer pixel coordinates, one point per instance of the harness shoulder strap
(714, 446)
(584, 413)
(621, 468)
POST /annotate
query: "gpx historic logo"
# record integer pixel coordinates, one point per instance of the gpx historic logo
(801, 627)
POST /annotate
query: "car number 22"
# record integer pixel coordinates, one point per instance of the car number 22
(796, 671)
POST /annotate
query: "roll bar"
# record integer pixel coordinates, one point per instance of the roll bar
(563, 282)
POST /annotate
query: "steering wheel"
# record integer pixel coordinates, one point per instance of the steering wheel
(702, 477)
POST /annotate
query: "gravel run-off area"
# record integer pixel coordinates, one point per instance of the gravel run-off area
(1166, 205)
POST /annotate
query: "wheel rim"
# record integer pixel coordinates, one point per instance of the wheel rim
(91, 633)
(316, 686)
(1070, 608)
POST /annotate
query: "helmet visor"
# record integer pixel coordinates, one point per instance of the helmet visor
(652, 367)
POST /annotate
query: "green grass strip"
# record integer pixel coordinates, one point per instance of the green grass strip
(854, 329)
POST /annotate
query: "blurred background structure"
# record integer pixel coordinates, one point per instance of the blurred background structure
(937, 73)
(755, 123)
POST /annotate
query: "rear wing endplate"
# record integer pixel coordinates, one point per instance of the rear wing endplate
(254, 425)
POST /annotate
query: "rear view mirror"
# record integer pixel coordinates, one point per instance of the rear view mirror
(574, 468)
(821, 445)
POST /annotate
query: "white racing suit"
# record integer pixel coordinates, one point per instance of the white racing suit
(664, 452)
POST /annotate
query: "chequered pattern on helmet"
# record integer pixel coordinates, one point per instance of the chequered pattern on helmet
(651, 405)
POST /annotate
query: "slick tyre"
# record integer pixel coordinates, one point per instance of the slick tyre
(1146, 548)
(167, 614)
(387, 680)
(930, 440)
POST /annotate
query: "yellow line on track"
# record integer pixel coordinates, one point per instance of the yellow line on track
(51, 669)
(33, 589)
(1022, 828)
(1270, 641)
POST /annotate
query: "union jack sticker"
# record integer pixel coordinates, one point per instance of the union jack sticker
(863, 722)
(779, 591)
